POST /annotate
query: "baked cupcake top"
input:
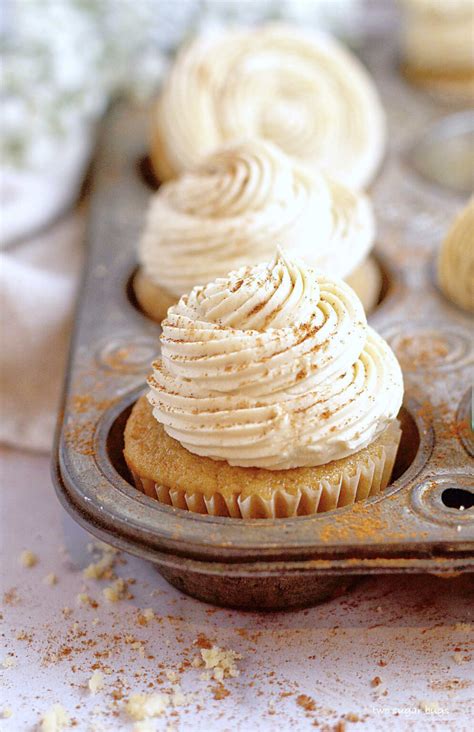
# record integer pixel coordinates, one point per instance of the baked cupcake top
(273, 366)
(302, 90)
(234, 207)
(456, 260)
(437, 34)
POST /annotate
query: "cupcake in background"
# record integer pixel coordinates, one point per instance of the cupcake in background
(234, 208)
(456, 260)
(272, 398)
(437, 46)
(301, 90)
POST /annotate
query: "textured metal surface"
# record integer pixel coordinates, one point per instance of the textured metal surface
(222, 560)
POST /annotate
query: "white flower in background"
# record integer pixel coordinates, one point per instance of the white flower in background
(63, 60)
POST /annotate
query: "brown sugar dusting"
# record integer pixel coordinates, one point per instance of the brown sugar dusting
(118, 359)
(202, 641)
(79, 433)
(415, 353)
(306, 702)
(220, 692)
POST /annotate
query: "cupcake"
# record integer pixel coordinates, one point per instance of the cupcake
(437, 46)
(456, 260)
(233, 208)
(301, 90)
(272, 398)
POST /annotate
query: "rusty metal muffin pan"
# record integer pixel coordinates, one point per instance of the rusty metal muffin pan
(424, 522)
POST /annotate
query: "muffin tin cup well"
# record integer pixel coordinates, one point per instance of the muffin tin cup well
(423, 522)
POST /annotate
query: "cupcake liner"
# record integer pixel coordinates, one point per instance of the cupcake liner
(351, 485)
(455, 86)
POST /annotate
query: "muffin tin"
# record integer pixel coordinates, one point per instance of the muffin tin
(424, 521)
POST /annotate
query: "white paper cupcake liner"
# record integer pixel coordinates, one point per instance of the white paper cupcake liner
(370, 478)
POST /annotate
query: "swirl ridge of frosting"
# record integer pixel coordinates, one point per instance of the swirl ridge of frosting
(240, 202)
(301, 90)
(273, 366)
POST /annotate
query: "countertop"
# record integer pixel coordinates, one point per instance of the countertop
(396, 652)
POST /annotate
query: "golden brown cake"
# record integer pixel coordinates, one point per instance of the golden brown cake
(153, 299)
(163, 469)
(456, 260)
(366, 281)
(437, 44)
(273, 397)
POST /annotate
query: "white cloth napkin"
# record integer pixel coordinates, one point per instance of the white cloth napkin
(38, 284)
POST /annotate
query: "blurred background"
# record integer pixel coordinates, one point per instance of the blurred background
(63, 63)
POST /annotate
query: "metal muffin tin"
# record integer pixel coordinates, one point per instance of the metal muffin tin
(416, 525)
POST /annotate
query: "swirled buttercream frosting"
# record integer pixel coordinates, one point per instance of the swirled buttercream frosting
(300, 90)
(456, 260)
(234, 208)
(273, 366)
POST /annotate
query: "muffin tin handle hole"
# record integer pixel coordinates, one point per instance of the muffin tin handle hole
(459, 498)
(446, 499)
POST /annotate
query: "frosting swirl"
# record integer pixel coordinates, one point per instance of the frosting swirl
(273, 366)
(456, 260)
(300, 90)
(235, 206)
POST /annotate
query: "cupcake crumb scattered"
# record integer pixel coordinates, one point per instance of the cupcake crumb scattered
(96, 682)
(143, 706)
(6, 713)
(50, 579)
(103, 569)
(28, 558)
(118, 590)
(9, 661)
(171, 675)
(351, 717)
(84, 599)
(55, 719)
(429, 707)
(221, 662)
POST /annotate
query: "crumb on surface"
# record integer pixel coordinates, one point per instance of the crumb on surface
(147, 614)
(96, 682)
(429, 707)
(6, 713)
(28, 558)
(351, 717)
(221, 662)
(84, 599)
(50, 579)
(8, 661)
(55, 719)
(103, 569)
(306, 702)
(118, 590)
(171, 675)
(144, 726)
(143, 706)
